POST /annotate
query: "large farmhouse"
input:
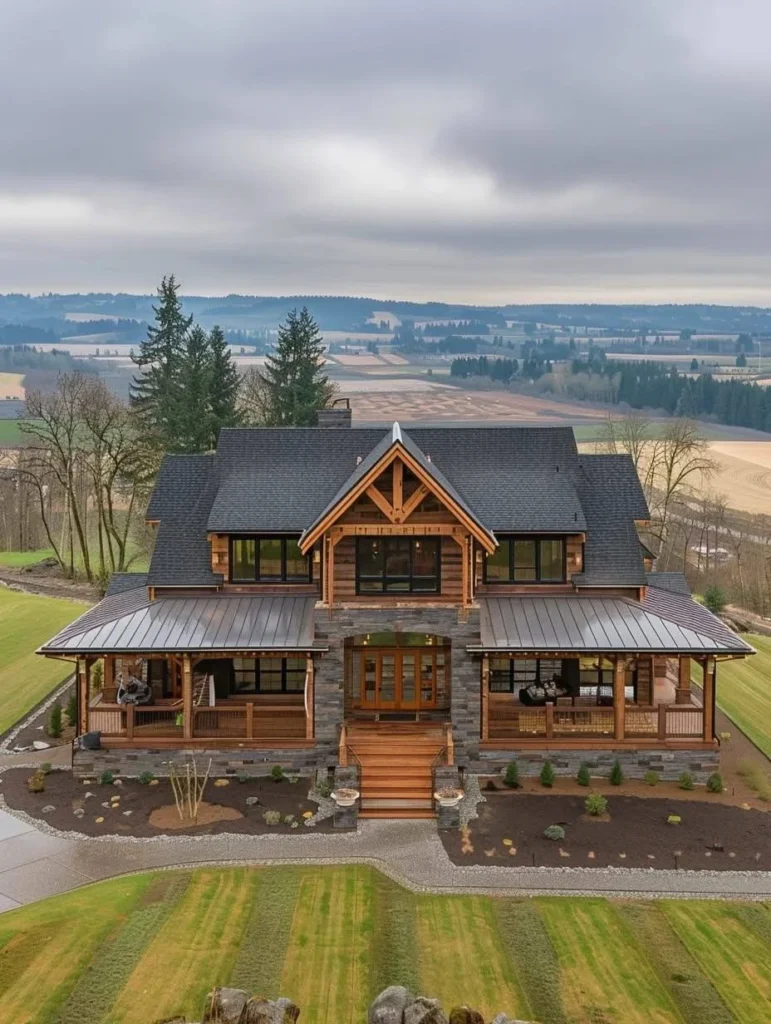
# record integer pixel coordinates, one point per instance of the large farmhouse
(398, 599)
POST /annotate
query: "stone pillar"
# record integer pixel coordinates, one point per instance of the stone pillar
(683, 688)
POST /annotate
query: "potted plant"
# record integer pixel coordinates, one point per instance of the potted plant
(345, 797)
(448, 796)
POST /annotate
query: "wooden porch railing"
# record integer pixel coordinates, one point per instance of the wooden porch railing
(659, 722)
(227, 721)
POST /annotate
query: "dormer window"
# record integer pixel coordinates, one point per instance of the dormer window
(268, 560)
(526, 560)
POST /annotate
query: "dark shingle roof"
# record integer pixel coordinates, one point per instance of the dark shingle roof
(120, 582)
(674, 582)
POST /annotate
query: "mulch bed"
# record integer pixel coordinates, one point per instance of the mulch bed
(710, 837)
(66, 794)
(35, 729)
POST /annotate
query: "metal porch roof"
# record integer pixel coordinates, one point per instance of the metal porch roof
(131, 622)
(597, 624)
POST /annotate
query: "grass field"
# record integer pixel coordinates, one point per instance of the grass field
(9, 432)
(15, 559)
(744, 692)
(26, 622)
(148, 947)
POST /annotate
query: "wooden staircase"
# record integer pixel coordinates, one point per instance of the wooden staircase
(396, 763)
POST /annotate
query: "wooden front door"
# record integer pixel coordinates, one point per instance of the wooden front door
(396, 679)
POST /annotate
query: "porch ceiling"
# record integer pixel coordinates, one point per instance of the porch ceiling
(676, 625)
(132, 623)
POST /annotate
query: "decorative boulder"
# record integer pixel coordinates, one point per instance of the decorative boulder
(464, 1015)
(268, 1011)
(224, 1006)
(389, 1006)
(424, 1011)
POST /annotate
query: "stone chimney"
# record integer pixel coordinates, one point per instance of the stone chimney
(336, 415)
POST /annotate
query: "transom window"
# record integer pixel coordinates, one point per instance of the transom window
(526, 560)
(268, 560)
(397, 565)
(510, 675)
(268, 675)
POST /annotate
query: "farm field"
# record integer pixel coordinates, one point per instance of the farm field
(148, 947)
(12, 385)
(25, 678)
(744, 475)
(744, 694)
(10, 434)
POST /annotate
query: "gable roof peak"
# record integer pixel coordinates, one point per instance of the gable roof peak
(396, 432)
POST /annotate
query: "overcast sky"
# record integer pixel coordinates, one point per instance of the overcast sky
(559, 150)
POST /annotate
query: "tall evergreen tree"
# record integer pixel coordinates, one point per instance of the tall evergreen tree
(224, 386)
(194, 420)
(296, 384)
(155, 392)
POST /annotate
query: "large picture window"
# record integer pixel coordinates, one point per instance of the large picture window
(526, 560)
(397, 565)
(510, 675)
(268, 560)
(268, 675)
(596, 681)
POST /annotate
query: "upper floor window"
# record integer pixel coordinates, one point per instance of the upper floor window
(268, 560)
(526, 560)
(397, 565)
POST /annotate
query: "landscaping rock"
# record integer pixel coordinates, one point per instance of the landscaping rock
(424, 1011)
(389, 1006)
(503, 1019)
(48, 809)
(464, 1015)
(40, 745)
(79, 812)
(224, 1006)
(251, 801)
(267, 1011)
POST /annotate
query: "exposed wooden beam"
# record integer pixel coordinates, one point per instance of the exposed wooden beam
(382, 503)
(414, 500)
(398, 530)
(398, 486)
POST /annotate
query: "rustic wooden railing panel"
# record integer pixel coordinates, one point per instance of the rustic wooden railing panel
(641, 721)
(154, 720)
(509, 721)
(592, 721)
(684, 722)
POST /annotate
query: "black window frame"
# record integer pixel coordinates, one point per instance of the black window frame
(522, 683)
(256, 538)
(409, 579)
(234, 691)
(537, 538)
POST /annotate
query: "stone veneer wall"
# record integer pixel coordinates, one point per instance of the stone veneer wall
(131, 763)
(465, 670)
(668, 763)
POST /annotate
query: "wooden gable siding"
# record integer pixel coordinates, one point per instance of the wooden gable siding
(364, 511)
(345, 576)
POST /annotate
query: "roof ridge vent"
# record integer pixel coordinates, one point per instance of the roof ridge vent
(358, 460)
(396, 432)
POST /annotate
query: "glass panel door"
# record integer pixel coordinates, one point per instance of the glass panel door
(427, 680)
(408, 696)
(387, 695)
(369, 677)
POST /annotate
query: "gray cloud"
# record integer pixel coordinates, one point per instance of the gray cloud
(501, 150)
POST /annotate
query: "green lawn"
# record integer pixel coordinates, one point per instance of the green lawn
(26, 622)
(9, 432)
(744, 691)
(147, 947)
(15, 559)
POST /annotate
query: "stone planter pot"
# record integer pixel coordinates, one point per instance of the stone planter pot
(449, 801)
(345, 797)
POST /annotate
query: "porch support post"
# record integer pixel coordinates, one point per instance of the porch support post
(708, 692)
(108, 676)
(83, 679)
(485, 696)
(619, 698)
(683, 691)
(187, 697)
(310, 700)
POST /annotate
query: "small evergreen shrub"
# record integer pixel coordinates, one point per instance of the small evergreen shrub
(554, 832)
(596, 805)
(288, 819)
(511, 775)
(272, 817)
(36, 783)
(72, 710)
(106, 779)
(715, 783)
(324, 788)
(243, 777)
(45, 767)
(651, 778)
(97, 677)
(277, 773)
(145, 778)
(55, 722)
(616, 776)
(685, 781)
(547, 775)
(583, 778)
(673, 819)
(715, 599)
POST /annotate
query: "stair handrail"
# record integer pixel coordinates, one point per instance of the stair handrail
(342, 754)
(449, 744)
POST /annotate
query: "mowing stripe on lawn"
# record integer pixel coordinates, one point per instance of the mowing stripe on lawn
(395, 945)
(604, 973)
(527, 942)
(463, 958)
(100, 985)
(327, 963)
(743, 692)
(258, 965)
(193, 951)
(696, 997)
(734, 958)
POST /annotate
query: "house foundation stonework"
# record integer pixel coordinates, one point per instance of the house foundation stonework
(399, 606)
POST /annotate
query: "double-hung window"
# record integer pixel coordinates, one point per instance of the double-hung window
(397, 565)
(268, 675)
(268, 560)
(526, 560)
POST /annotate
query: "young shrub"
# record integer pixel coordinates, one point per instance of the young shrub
(673, 819)
(651, 778)
(277, 773)
(45, 767)
(72, 710)
(324, 788)
(145, 778)
(715, 783)
(616, 776)
(36, 783)
(97, 677)
(272, 817)
(685, 781)
(547, 775)
(106, 779)
(596, 805)
(715, 599)
(554, 832)
(583, 778)
(243, 777)
(511, 775)
(55, 722)
(288, 819)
